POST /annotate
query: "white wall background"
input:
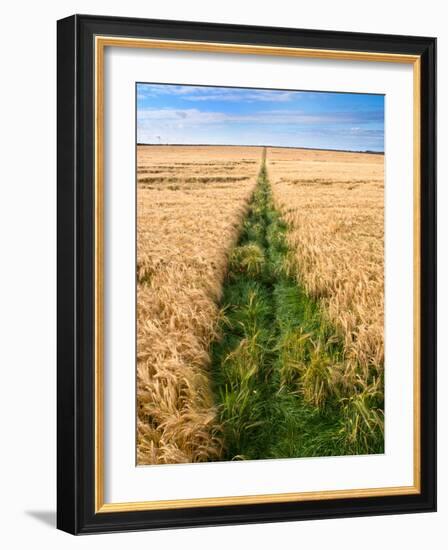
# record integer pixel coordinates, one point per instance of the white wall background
(27, 272)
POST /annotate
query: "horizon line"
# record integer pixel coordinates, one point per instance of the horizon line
(365, 151)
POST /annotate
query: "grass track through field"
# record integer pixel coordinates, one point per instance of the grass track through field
(273, 365)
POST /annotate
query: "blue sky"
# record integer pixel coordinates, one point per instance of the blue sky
(169, 113)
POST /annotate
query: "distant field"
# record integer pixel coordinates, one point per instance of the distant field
(190, 206)
(260, 284)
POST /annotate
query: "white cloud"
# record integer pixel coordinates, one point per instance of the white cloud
(191, 116)
(196, 116)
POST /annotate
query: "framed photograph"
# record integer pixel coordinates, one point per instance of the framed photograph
(246, 274)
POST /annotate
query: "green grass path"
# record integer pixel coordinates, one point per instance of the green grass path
(271, 368)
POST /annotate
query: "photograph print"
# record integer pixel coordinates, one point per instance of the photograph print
(260, 274)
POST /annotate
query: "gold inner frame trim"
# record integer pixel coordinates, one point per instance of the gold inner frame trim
(101, 42)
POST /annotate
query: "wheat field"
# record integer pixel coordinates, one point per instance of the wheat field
(191, 202)
(275, 258)
(333, 204)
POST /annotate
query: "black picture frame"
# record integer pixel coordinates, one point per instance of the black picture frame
(76, 512)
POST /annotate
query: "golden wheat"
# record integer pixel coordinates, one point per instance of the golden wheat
(191, 202)
(333, 203)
